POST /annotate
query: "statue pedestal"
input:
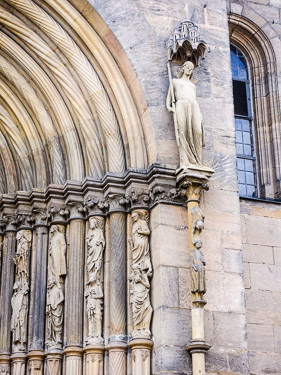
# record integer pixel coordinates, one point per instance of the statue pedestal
(196, 174)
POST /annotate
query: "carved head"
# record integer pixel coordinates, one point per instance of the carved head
(19, 234)
(198, 244)
(135, 216)
(187, 68)
(199, 224)
(93, 222)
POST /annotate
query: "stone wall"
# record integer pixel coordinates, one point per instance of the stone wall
(261, 225)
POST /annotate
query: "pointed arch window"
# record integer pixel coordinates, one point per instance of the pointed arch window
(245, 150)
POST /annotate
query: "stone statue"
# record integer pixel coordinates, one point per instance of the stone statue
(197, 223)
(54, 313)
(181, 100)
(140, 300)
(140, 275)
(19, 304)
(198, 279)
(55, 287)
(19, 300)
(139, 240)
(57, 252)
(94, 291)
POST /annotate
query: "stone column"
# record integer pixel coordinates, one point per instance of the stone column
(140, 277)
(191, 184)
(20, 298)
(7, 280)
(94, 295)
(74, 295)
(117, 346)
(55, 291)
(38, 288)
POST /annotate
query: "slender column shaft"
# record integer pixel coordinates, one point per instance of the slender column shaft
(38, 288)
(117, 347)
(7, 279)
(192, 188)
(74, 296)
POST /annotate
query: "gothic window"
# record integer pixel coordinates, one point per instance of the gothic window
(245, 150)
(258, 141)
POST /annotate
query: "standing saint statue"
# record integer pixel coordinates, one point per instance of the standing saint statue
(19, 300)
(57, 252)
(55, 287)
(198, 278)
(54, 313)
(181, 100)
(94, 291)
(140, 275)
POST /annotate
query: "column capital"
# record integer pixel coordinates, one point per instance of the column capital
(94, 349)
(198, 346)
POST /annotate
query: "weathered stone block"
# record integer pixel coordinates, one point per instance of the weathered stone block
(165, 287)
(184, 288)
(260, 337)
(265, 277)
(258, 254)
(225, 292)
(230, 330)
(171, 327)
(232, 261)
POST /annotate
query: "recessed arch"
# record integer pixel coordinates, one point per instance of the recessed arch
(73, 102)
(252, 41)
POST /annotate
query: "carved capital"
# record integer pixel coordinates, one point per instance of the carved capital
(164, 194)
(76, 209)
(117, 202)
(58, 214)
(138, 198)
(96, 206)
(41, 216)
(8, 223)
(25, 220)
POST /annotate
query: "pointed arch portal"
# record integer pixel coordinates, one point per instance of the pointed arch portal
(66, 111)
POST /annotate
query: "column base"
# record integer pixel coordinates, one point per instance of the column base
(117, 357)
(73, 360)
(94, 359)
(18, 363)
(4, 364)
(35, 362)
(141, 352)
(53, 362)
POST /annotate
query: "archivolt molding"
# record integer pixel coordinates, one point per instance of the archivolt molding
(75, 116)
(252, 41)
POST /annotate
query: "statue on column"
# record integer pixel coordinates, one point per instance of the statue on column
(94, 290)
(141, 274)
(54, 313)
(19, 300)
(181, 100)
(198, 278)
(55, 286)
(57, 252)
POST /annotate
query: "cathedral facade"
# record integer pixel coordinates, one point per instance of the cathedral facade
(140, 220)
